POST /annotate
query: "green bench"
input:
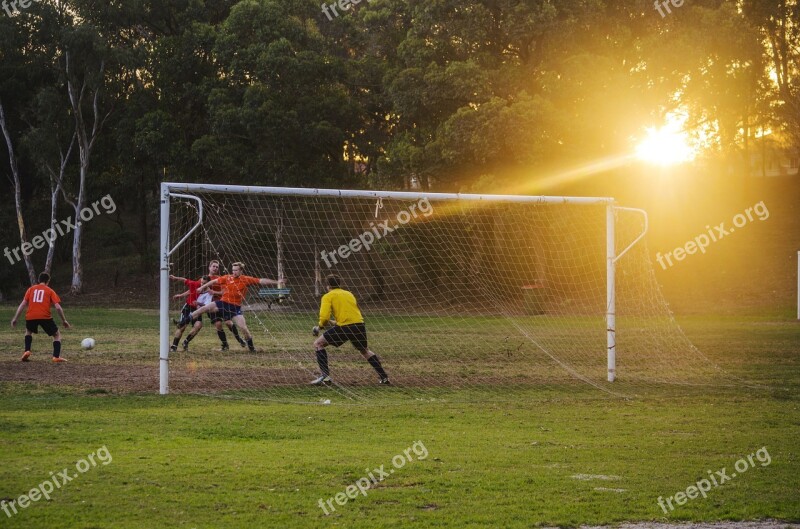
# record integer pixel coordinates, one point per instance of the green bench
(274, 295)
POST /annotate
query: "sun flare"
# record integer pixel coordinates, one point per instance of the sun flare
(667, 145)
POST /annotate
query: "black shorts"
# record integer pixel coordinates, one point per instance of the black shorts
(355, 333)
(227, 311)
(48, 326)
(186, 315)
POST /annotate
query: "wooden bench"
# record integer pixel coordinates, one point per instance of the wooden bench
(274, 295)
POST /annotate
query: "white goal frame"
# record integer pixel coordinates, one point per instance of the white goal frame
(170, 190)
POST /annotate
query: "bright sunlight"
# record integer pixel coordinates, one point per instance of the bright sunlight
(667, 145)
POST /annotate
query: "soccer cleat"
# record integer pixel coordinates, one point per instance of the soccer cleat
(173, 348)
(185, 345)
(225, 347)
(25, 356)
(323, 380)
(58, 360)
(242, 342)
(252, 349)
(384, 382)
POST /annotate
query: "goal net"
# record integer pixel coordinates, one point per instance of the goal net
(463, 296)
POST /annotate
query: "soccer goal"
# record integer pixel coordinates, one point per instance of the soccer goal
(459, 291)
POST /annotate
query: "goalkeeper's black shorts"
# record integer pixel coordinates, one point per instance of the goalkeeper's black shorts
(355, 333)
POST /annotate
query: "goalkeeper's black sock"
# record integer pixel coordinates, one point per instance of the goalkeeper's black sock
(322, 360)
(250, 344)
(28, 342)
(375, 362)
(56, 349)
(175, 342)
(222, 338)
(189, 338)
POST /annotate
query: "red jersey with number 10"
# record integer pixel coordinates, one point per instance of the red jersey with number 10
(39, 298)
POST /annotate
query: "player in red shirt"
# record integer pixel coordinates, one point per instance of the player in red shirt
(230, 305)
(38, 299)
(188, 307)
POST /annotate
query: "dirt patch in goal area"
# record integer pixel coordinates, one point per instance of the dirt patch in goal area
(137, 378)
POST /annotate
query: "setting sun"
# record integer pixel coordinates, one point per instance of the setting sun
(667, 145)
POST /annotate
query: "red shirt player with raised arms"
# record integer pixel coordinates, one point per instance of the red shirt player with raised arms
(38, 299)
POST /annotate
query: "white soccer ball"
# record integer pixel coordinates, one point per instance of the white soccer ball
(88, 343)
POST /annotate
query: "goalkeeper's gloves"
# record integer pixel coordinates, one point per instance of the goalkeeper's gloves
(315, 330)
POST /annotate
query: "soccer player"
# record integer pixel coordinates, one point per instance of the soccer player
(349, 327)
(186, 319)
(38, 299)
(216, 295)
(230, 305)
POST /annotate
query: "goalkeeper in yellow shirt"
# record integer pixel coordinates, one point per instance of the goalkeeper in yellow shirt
(349, 326)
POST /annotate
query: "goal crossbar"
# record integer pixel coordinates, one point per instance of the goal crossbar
(172, 187)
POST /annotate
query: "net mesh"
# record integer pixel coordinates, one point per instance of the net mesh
(462, 299)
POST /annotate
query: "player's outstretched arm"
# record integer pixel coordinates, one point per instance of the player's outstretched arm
(265, 281)
(176, 278)
(179, 296)
(208, 285)
(61, 313)
(19, 311)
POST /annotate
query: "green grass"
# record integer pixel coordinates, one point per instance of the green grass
(190, 461)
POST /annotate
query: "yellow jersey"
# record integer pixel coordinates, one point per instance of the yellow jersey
(344, 307)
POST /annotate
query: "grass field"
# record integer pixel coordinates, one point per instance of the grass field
(567, 456)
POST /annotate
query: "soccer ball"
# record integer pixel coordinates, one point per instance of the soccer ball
(87, 343)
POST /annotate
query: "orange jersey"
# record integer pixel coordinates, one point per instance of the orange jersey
(39, 298)
(235, 288)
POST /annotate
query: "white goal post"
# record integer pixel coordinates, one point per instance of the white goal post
(189, 192)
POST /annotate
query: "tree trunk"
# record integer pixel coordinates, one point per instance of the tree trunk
(51, 249)
(56, 187)
(23, 236)
(86, 141)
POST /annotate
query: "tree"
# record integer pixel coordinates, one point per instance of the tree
(17, 183)
(84, 88)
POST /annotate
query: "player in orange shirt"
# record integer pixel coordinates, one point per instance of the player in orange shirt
(216, 295)
(38, 299)
(230, 305)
